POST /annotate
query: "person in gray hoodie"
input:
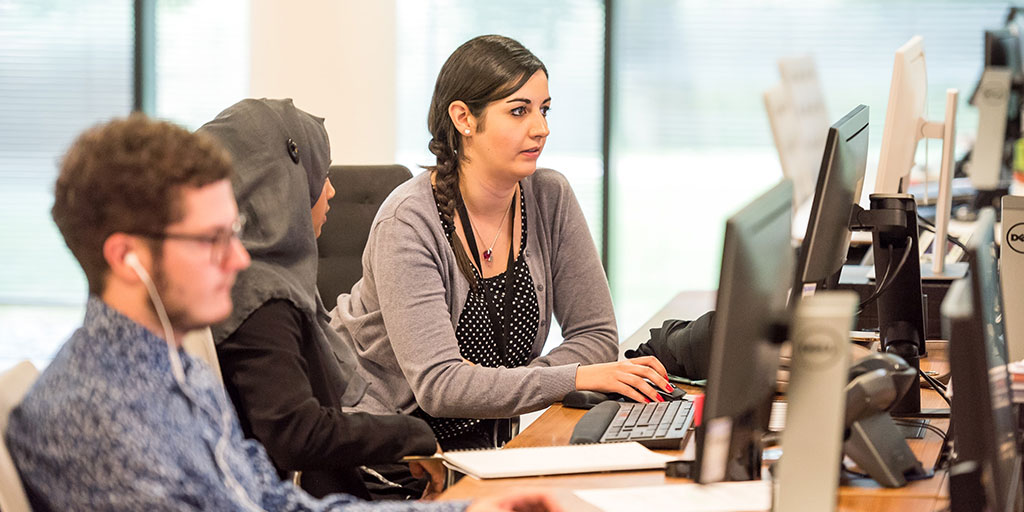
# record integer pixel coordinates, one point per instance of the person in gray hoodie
(466, 264)
(286, 383)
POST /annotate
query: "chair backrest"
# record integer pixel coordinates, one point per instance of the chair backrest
(14, 383)
(360, 191)
(199, 343)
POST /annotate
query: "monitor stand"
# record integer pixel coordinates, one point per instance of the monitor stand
(1011, 273)
(892, 221)
(808, 472)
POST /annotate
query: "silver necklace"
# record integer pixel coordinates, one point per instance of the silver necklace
(489, 252)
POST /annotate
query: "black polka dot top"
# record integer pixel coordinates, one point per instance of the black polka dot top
(476, 336)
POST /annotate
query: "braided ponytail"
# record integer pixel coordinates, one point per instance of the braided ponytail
(482, 70)
(448, 196)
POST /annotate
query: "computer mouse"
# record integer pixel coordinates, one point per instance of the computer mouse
(676, 393)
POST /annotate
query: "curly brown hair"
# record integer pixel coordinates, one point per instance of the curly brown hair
(126, 176)
(482, 70)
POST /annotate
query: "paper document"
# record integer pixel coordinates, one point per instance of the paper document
(555, 460)
(753, 496)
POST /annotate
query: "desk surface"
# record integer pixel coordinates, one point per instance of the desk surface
(555, 426)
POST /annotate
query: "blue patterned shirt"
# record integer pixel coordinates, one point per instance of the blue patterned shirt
(106, 427)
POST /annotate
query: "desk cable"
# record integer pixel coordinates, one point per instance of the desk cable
(886, 280)
(928, 225)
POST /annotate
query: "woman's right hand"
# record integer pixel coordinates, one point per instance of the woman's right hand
(626, 378)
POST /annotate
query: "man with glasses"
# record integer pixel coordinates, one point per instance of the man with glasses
(123, 419)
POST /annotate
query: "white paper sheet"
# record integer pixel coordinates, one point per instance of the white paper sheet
(753, 496)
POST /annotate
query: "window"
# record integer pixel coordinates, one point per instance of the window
(567, 36)
(202, 59)
(691, 143)
(65, 66)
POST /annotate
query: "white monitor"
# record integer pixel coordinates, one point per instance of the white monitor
(799, 122)
(904, 113)
(905, 126)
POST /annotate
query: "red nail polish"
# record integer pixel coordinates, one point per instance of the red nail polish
(661, 398)
(669, 387)
(648, 400)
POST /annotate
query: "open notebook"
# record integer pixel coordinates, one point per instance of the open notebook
(555, 460)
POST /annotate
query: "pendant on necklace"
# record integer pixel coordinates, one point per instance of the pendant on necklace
(487, 255)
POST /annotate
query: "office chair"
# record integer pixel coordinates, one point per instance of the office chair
(360, 191)
(14, 383)
(199, 343)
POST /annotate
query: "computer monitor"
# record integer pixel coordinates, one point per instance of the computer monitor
(799, 121)
(983, 421)
(1002, 49)
(825, 244)
(905, 126)
(757, 270)
(900, 135)
(998, 100)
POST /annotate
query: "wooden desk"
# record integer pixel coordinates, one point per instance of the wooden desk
(555, 426)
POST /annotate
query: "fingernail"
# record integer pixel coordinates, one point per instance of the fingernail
(661, 398)
(648, 400)
(669, 387)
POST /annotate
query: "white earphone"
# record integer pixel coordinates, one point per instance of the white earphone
(132, 260)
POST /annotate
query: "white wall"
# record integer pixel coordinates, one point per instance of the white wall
(336, 59)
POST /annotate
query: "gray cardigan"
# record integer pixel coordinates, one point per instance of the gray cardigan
(400, 318)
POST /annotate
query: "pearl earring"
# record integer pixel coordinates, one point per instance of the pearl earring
(467, 131)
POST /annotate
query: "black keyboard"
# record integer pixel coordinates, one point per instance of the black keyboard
(658, 425)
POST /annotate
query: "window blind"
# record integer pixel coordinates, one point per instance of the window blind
(64, 66)
(691, 142)
(568, 36)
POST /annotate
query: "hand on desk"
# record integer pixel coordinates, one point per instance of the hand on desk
(626, 378)
(434, 468)
(528, 501)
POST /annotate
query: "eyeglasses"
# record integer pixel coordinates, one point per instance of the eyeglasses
(220, 242)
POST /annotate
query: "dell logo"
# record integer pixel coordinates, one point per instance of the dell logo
(816, 348)
(1015, 237)
(994, 94)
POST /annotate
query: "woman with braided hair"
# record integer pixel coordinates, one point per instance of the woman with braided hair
(466, 264)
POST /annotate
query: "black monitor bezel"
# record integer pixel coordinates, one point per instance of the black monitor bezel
(827, 239)
(971, 316)
(752, 297)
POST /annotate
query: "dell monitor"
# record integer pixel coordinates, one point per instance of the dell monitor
(757, 270)
(998, 100)
(824, 247)
(1002, 49)
(983, 420)
(907, 95)
(799, 121)
(905, 126)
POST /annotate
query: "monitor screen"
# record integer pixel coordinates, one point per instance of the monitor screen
(1002, 49)
(757, 270)
(824, 247)
(906, 107)
(982, 414)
